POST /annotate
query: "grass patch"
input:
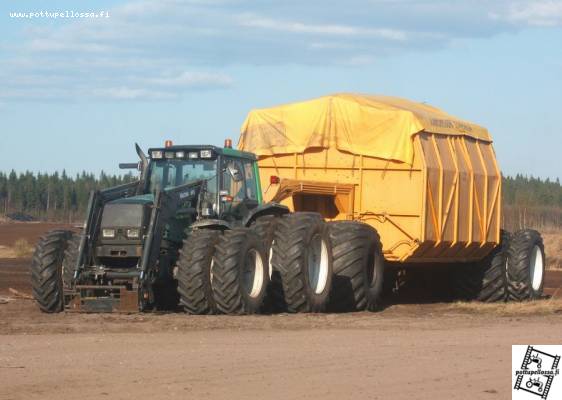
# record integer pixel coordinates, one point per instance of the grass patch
(553, 249)
(22, 248)
(537, 307)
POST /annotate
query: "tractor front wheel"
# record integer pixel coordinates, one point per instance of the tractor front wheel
(49, 272)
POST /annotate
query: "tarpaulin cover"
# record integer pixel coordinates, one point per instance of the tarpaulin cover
(376, 126)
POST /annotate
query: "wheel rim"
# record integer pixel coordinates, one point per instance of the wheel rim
(253, 274)
(536, 268)
(270, 265)
(318, 264)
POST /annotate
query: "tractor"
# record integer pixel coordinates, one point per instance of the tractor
(191, 231)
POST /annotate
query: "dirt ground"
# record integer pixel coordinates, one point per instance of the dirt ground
(31, 231)
(414, 349)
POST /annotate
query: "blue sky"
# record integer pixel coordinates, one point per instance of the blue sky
(77, 93)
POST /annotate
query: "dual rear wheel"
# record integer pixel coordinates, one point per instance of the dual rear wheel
(282, 264)
(514, 271)
(222, 272)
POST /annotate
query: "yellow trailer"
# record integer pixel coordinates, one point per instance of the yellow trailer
(395, 180)
(428, 182)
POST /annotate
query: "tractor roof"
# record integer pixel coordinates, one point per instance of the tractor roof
(225, 151)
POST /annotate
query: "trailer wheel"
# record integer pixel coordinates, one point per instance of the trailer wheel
(485, 280)
(358, 267)
(265, 228)
(194, 272)
(240, 273)
(525, 266)
(47, 271)
(302, 254)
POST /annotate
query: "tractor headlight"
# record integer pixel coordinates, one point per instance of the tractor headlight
(133, 233)
(169, 154)
(180, 154)
(156, 154)
(108, 233)
(206, 154)
(193, 154)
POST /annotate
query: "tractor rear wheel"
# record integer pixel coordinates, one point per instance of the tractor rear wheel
(194, 272)
(239, 274)
(358, 267)
(265, 228)
(484, 280)
(48, 270)
(302, 254)
(525, 266)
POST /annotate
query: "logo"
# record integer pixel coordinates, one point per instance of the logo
(536, 372)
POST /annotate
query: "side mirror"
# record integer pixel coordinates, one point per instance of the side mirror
(235, 173)
(137, 166)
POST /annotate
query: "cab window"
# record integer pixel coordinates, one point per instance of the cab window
(249, 177)
(235, 189)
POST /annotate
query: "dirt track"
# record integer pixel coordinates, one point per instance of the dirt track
(421, 351)
(407, 351)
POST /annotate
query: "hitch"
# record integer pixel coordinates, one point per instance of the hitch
(100, 299)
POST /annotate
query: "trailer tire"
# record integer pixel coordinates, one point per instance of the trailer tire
(265, 228)
(485, 280)
(239, 275)
(302, 254)
(47, 271)
(358, 267)
(525, 266)
(194, 272)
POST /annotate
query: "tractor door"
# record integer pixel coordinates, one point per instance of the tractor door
(238, 188)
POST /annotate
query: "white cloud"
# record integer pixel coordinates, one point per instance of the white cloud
(254, 21)
(127, 93)
(162, 50)
(190, 79)
(533, 13)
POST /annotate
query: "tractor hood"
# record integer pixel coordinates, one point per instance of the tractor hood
(127, 212)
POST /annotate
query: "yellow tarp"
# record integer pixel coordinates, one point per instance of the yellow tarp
(376, 126)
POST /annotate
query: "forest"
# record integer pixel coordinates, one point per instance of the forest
(528, 201)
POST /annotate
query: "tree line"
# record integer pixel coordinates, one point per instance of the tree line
(528, 201)
(52, 196)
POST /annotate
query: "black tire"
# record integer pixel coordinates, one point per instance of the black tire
(299, 239)
(194, 272)
(525, 266)
(239, 275)
(485, 280)
(47, 271)
(265, 228)
(358, 267)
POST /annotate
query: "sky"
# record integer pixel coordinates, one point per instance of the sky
(77, 93)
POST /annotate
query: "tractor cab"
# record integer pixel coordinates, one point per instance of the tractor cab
(231, 177)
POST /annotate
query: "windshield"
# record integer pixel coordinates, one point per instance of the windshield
(166, 174)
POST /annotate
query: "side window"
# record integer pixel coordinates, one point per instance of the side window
(249, 177)
(234, 188)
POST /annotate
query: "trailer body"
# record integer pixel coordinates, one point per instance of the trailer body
(428, 182)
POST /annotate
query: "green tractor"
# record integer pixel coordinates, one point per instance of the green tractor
(191, 231)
